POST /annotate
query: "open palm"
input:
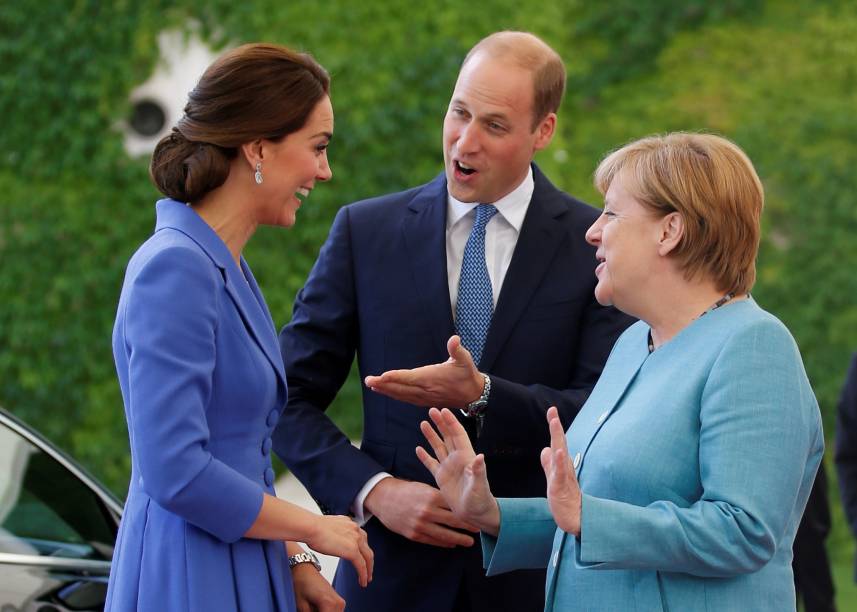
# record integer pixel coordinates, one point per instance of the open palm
(459, 472)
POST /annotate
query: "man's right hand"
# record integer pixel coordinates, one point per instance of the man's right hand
(418, 512)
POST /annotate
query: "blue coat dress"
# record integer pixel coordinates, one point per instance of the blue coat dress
(203, 385)
(695, 464)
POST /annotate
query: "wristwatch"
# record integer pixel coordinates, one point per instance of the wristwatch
(304, 557)
(477, 408)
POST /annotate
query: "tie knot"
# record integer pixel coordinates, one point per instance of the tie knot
(484, 212)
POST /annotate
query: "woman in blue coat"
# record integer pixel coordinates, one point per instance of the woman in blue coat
(681, 483)
(198, 360)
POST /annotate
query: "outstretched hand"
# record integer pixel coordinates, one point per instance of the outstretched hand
(455, 383)
(564, 498)
(459, 472)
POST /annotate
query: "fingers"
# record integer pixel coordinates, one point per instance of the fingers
(546, 458)
(403, 392)
(450, 519)
(444, 537)
(559, 470)
(479, 472)
(454, 434)
(457, 352)
(453, 345)
(416, 378)
(478, 467)
(363, 559)
(400, 376)
(561, 465)
(367, 554)
(434, 440)
(439, 421)
(359, 563)
(556, 431)
(428, 461)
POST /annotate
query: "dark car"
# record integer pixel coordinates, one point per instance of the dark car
(57, 526)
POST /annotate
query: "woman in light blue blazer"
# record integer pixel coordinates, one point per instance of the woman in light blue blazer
(198, 360)
(681, 483)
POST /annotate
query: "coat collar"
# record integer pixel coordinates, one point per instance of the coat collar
(240, 284)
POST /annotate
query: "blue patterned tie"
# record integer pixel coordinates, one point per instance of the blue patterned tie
(475, 305)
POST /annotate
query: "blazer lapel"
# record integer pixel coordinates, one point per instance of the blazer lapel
(610, 389)
(424, 232)
(537, 243)
(244, 293)
(248, 300)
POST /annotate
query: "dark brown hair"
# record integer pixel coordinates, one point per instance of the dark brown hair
(254, 91)
(530, 53)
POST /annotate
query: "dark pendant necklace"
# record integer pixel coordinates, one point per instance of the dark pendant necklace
(714, 306)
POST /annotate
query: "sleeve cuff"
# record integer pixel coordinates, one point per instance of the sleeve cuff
(525, 538)
(361, 515)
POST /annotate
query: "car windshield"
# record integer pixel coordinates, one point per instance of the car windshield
(45, 509)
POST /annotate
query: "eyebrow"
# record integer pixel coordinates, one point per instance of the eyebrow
(487, 117)
(327, 135)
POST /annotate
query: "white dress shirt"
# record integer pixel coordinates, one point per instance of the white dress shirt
(501, 237)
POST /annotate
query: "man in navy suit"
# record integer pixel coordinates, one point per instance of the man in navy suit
(386, 287)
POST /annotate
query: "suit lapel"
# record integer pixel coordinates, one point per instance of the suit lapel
(424, 233)
(245, 294)
(541, 234)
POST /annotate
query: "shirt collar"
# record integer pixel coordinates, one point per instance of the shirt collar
(512, 206)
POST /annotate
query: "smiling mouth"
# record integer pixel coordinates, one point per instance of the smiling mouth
(302, 194)
(464, 168)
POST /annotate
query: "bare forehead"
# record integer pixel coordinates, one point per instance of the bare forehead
(322, 114)
(496, 85)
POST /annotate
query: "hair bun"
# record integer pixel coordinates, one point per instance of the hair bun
(185, 170)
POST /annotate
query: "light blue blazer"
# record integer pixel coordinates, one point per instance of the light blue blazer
(203, 385)
(695, 463)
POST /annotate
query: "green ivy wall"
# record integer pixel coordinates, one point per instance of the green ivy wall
(778, 77)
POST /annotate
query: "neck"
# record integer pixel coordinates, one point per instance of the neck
(220, 209)
(674, 310)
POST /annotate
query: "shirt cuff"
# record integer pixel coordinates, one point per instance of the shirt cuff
(361, 515)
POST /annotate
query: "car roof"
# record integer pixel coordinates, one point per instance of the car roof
(25, 431)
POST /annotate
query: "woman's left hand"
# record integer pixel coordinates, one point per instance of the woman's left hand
(564, 497)
(312, 592)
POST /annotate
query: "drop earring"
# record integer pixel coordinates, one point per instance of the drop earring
(258, 175)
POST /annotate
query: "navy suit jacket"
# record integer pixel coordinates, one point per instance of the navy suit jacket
(379, 289)
(845, 453)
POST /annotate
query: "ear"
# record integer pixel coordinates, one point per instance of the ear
(545, 131)
(671, 232)
(252, 152)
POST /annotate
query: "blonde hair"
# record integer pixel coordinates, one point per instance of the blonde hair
(531, 53)
(712, 184)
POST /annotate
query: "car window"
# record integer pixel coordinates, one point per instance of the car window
(44, 509)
